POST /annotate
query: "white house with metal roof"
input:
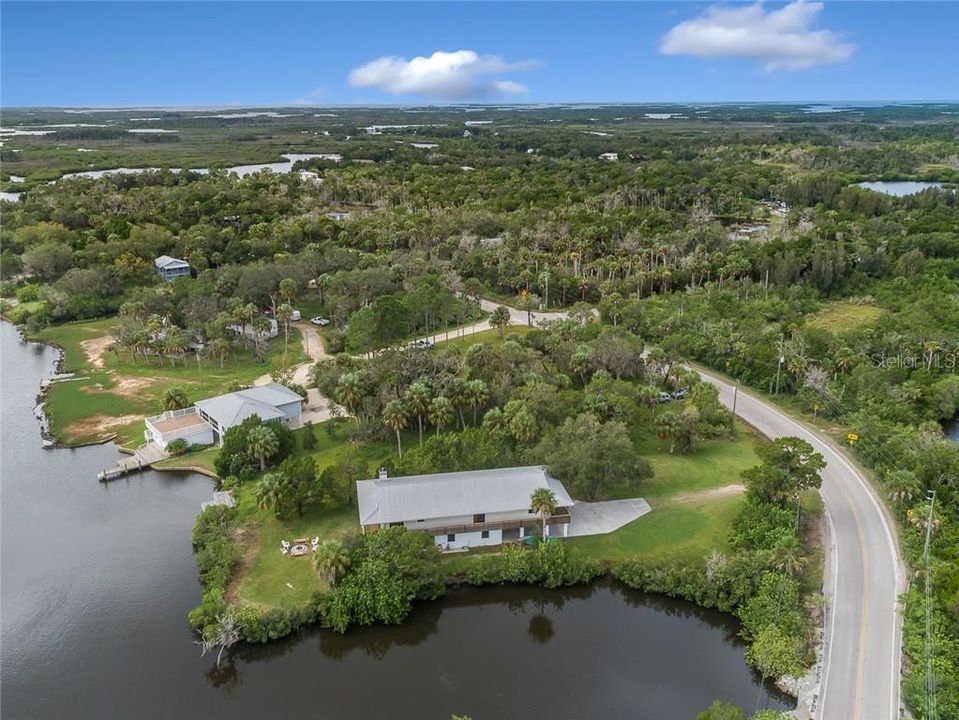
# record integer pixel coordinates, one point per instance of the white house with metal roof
(170, 268)
(208, 420)
(463, 509)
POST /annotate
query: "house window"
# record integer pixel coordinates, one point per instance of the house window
(479, 518)
(451, 537)
(396, 524)
(530, 511)
(421, 521)
(484, 534)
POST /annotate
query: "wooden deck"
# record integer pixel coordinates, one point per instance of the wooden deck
(143, 457)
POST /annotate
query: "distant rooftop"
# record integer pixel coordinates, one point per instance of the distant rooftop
(165, 261)
(415, 497)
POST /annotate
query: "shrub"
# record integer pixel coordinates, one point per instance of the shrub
(177, 447)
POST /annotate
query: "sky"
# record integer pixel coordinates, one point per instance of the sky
(278, 53)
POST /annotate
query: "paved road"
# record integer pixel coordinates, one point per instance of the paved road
(862, 650)
(862, 646)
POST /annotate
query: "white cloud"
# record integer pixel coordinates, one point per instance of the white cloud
(779, 39)
(459, 75)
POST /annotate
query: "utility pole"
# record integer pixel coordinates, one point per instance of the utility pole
(779, 365)
(930, 653)
(735, 398)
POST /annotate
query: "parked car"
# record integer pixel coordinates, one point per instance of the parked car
(665, 397)
(296, 316)
(679, 393)
(424, 344)
(321, 321)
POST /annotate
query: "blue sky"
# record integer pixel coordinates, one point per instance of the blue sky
(138, 53)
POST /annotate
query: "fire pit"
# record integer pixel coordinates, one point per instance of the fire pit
(299, 549)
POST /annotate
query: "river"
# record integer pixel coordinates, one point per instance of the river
(97, 581)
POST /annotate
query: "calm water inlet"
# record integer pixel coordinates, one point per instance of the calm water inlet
(97, 581)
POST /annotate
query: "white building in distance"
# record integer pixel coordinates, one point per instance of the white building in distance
(463, 509)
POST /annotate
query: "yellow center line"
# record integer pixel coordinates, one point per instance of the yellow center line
(861, 658)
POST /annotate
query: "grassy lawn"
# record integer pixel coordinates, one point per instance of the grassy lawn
(200, 459)
(674, 532)
(839, 316)
(688, 521)
(490, 337)
(266, 575)
(111, 393)
(711, 464)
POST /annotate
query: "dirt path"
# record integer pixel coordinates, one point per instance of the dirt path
(710, 494)
(95, 348)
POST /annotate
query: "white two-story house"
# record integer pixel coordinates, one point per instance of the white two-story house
(463, 509)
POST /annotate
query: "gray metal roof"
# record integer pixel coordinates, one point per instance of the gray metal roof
(233, 408)
(427, 497)
(165, 261)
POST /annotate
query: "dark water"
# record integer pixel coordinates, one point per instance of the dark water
(951, 429)
(97, 580)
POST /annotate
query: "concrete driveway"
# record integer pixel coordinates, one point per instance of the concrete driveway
(600, 518)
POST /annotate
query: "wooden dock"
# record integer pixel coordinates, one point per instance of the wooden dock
(143, 457)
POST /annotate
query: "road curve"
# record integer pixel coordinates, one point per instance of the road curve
(862, 646)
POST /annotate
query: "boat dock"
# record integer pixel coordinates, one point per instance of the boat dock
(143, 457)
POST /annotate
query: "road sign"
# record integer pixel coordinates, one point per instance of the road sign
(852, 438)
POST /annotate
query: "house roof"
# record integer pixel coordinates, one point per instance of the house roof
(233, 408)
(165, 262)
(421, 497)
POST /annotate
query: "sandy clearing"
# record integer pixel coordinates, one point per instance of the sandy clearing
(99, 425)
(710, 494)
(94, 349)
(129, 386)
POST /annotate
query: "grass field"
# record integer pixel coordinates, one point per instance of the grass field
(693, 507)
(267, 578)
(690, 494)
(677, 532)
(111, 393)
(840, 316)
(490, 337)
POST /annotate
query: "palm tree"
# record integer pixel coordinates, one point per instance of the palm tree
(441, 412)
(494, 421)
(174, 398)
(647, 395)
(269, 493)
(788, 557)
(543, 502)
(261, 334)
(395, 418)
(418, 401)
(456, 392)
(476, 394)
(284, 314)
(669, 426)
(349, 392)
(522, 425)
(174, 343)
(529, 302)
(902, 486)
(581, 362)
(245, 316)
(499, 319)
(331, 559)
(262, 444)
(220, 347)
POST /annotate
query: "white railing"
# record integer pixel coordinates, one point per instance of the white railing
(167, 415)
